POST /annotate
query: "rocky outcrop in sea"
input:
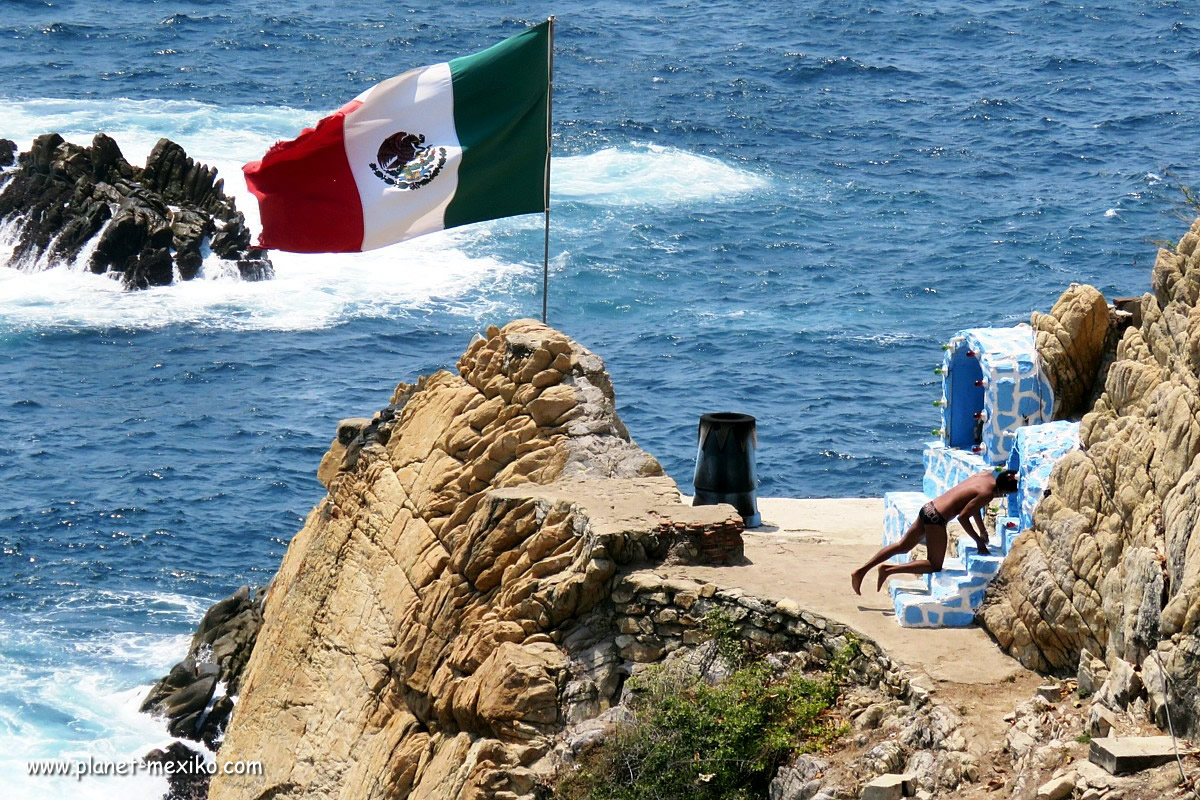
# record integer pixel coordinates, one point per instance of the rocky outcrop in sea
(146, 226)
(1110, 570)
(197, 695)
(413, 638)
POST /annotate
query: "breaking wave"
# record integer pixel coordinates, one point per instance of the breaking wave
(71, 697)
(649, 175)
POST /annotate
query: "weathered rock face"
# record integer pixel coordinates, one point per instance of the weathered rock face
(1071, 341)
(151, 223)
(431, 620)
(1112, 563)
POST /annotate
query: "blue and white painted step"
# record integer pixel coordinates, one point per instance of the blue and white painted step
(899, 511)
(959, 575)
(948, 598)
(1036, 449)
(1007, 529)
(952, 595)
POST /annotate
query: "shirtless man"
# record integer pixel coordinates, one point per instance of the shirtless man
(966, 501)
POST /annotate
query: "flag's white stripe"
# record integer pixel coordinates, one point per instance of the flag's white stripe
(420, 102)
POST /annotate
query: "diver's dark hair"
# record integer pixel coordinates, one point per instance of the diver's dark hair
(1007, 481)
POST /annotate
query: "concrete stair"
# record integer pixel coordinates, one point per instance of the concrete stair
(945, 599)
(949, 598)
(910, 584)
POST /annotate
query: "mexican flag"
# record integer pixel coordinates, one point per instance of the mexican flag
(437, 147)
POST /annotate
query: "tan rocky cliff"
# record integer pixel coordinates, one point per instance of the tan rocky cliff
(427, 632)
(1112, 565)
(1071, 341)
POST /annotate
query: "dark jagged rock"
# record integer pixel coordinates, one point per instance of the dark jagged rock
(153, 223)
(187, 778)
(227, 634)
(218, 654)
(218, 719)
(186, 707)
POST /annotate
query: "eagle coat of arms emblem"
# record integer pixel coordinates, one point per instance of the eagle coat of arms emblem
(406, 162)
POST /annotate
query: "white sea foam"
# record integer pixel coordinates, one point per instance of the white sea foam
(648, 174)
(309, 291)
(156, 651)
(184, 607)
(885, 339)
(73, 699)
(77, 713)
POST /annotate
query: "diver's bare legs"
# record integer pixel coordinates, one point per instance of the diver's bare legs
(935, 543)
(910, 539)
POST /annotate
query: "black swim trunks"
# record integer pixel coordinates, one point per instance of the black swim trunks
(930, 516)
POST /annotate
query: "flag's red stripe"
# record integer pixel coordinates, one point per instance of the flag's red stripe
(306, 193)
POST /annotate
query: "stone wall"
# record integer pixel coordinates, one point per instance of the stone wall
(1111, 563)
(897, 725)
(655, 616)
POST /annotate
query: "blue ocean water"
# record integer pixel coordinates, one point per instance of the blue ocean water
(775, 208)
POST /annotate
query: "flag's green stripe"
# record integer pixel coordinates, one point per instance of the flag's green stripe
(500, 115)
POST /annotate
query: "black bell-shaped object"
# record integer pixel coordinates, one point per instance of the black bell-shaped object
(725, 464)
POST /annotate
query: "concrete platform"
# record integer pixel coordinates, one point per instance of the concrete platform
(805, 551)
(1121, 755)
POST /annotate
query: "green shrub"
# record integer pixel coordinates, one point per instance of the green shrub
(692, 740)
(720, 628)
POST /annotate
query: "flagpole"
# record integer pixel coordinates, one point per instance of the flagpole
(549, 115)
